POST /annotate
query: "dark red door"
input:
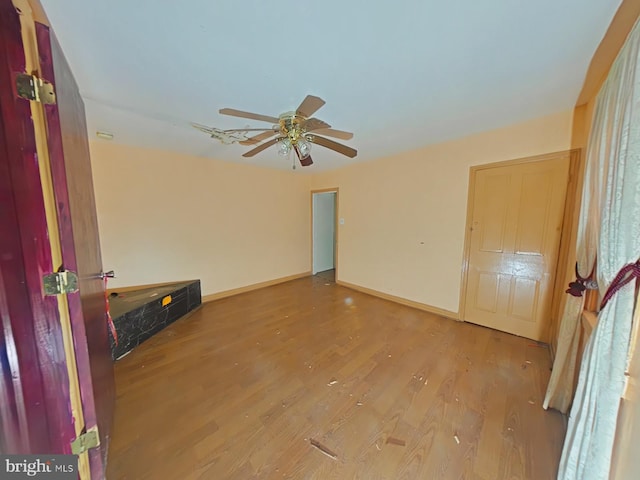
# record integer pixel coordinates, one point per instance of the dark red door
(34, 385)
(73, 185)
(78, 230)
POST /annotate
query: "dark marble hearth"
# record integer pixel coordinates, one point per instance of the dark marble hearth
(140, 314)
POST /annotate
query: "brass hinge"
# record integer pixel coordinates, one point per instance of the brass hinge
(60, 283)
(34, 88)
(84, 442)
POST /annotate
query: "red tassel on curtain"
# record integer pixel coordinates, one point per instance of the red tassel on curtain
(624, 276)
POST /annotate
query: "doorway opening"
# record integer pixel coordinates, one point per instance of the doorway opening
(324, 232)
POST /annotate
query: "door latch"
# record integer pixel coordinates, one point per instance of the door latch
(109, 274)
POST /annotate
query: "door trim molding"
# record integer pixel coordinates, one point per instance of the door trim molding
(337, 225)
(574, 159)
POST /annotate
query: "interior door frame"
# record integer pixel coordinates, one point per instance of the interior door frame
(565, 234)
(335, 190)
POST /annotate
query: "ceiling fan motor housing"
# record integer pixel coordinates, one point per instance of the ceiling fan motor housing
(291, 126)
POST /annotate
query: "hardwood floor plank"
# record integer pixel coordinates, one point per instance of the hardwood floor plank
(237, 389)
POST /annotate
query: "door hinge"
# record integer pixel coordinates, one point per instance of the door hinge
(34, 88)
(60, 283)
(84, 442)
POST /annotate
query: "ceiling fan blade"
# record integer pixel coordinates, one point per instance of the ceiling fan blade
(262, 147)
(307, 161)
(335, 146)
(259, 138)
(248, 130)
(304, 161)
(254, 116)
(309, 106)
(314, 124)
(333, 133)
(203, 128)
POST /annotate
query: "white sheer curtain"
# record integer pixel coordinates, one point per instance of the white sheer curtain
(561, 384)
(588, 445)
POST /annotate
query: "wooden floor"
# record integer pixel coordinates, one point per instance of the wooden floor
(238, 389)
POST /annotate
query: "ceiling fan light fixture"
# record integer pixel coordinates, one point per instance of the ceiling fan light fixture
(284, 147)
(304, 147)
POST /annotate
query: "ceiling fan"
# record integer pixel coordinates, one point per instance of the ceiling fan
(291, 131)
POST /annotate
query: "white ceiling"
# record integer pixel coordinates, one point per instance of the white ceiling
(400, 74)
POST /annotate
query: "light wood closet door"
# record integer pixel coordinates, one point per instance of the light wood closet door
(515, 235)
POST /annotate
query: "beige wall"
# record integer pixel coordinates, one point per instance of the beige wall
(405, 215)
(166, 217)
